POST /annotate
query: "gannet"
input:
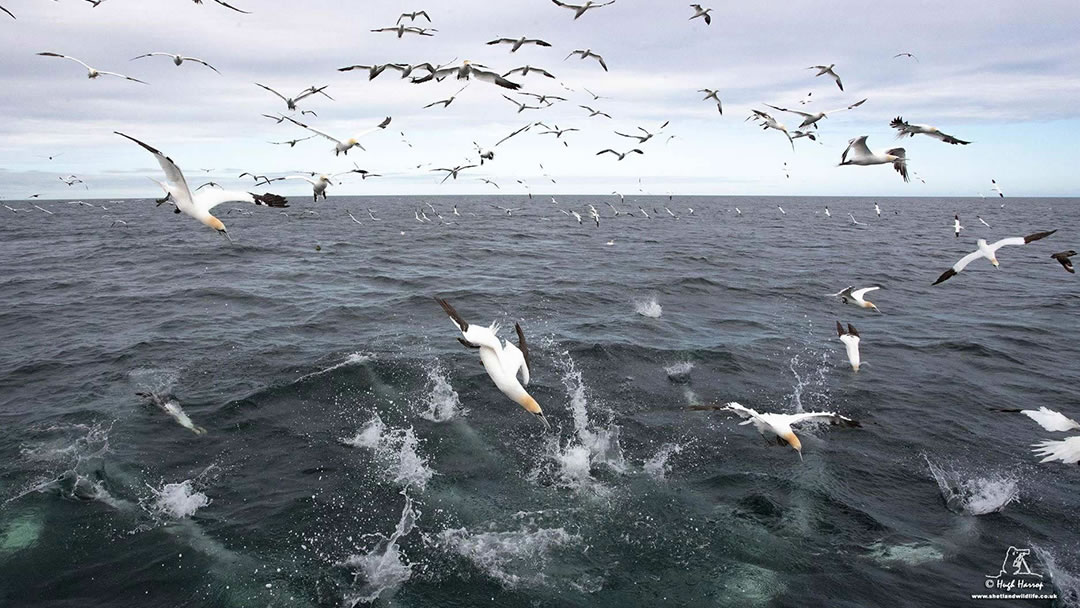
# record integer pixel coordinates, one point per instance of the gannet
(877, 209)
(850, 338)
(989, 251)
(701, 12)
(581, 9)
(647, 136)
(170, 406)
(996, 188)
(525, 70)
(413, 15)
(956, 225)
(982, 221)
(343, 146)
(621, 155)
(521, 107)
(290, 102)
(855, 297)
(221, 2)
(517, 43)
(504, 362)
(712, 94)
(453, 171)
(827, 69)
(768, 122)
(909, 55)
(177, 59)
(905, 128)
(91, 72)
(811, 119)
(292, 142)
(593, 112)
(1063, 258)
(779, 425)
(318, 185)
(402, 29)
(827, 213)
(857, 153)
(585, 54)
(782, 212)
(199, 204)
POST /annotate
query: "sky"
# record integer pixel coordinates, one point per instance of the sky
(1005, 75)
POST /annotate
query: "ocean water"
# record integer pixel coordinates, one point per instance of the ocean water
(356, 454)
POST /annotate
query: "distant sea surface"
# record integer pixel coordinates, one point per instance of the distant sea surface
(355, 453)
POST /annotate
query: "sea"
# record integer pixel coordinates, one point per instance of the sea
(345, 449)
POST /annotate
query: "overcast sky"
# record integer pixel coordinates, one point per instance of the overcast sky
(1005, 75)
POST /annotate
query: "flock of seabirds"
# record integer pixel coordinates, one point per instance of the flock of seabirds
(507, 363)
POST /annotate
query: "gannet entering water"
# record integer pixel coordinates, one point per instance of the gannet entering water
(850, 338)
(956, 225)
(779, 425)
(170, 406)
(504, 362)
(989, 251)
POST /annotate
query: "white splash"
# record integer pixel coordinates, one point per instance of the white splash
(657, 467)
(986, 493)
(513, 559)
(356, 358)
(648, 308)
(383, 569)
(811, 383)
(1066, 583)
(592, 445)
(73, 461)
(397, 450)
(679, 372)
(179, 500)
(443, 402)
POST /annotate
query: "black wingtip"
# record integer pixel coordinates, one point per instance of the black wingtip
(271, 200)
(851, 330)
(453, 314)
(839, 329)
(1038, 235)
(945, 276)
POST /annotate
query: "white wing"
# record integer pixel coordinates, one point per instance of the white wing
(859, 293)
(1051, 420)
(745, 412)
(1016, 240)
(513, 362)
(857, 147)
(66, 57)
(303, 177)
(283, 98)
(797, 418)
(177, 185)
(1067, 451)
(315, 131)
(971, 257)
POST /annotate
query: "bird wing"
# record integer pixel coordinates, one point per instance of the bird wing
(151, 55)
(229, 6)
(197, 60)
(830, 416)
(1067, 451)
(382, 125)
(1020, 240)
(47, 54)
(315, 131)
(858, 146)
(601, 60)
(494, 78)
(515, 360)
(800, 113)
(503, 41)
(178, 187)
(1051, 420)
(964, 261)
(521, 130)
(743, 412)
(859, 293)
(851, 107)
(104, 73)
(208, 199)
(283, 98)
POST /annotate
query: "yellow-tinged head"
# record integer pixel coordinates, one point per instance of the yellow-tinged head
(214, 223)
(793, 441)
(530, 405)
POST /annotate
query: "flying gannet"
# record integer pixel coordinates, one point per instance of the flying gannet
(989, 251)
(811, 119)
(413, 15)
(768, 122)
(469, 70)
(850, 338)
(593, 112)
(856, 297)
(956, 226)
(342, 146)
(585, 54)
(290, 102)
(177, 59)
(771, 425)
(701, 12)
(905, 128)
(525, 70)
(517, 43)
(857, 153)
(827, 69)
(402, 29)
(996, 188)
(504, 362)
(581, 9)
(91, 72)
(714, 95)
(199, 204)
(621, 155)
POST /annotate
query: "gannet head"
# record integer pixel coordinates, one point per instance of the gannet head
(994, 262)
(214, 223)
(793, 441)
(526, 401)
(869, 304)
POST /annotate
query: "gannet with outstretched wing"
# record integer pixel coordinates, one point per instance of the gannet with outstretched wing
(989, 251)
(581, 9)
(343, 146)
(91, 72)
(517, 43)
(290, 102)
(467, 71)
(177, 59)
(827, 69)
(856, 297)
(857, 153)
(779, 425)
(905, 128)
(768, 122)
(504, 362)
(701, 12)
(199, 204)
(811, 119)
